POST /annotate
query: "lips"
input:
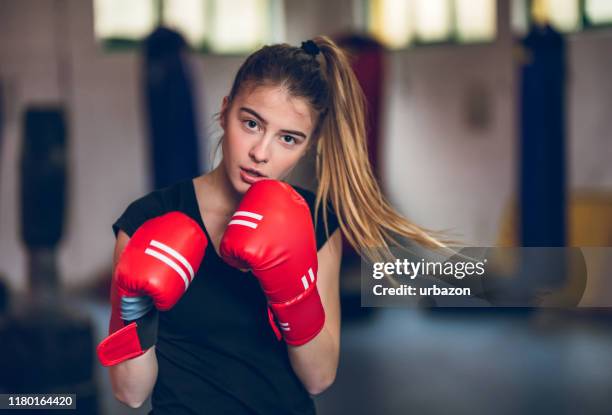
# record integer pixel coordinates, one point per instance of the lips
(251, 176)
(253, 172)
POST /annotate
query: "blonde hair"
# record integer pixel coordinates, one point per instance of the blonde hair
(346, 179)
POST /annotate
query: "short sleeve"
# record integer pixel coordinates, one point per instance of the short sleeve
(332, 219)
(138, 212)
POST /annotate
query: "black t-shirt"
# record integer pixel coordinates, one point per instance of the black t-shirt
(216, 351)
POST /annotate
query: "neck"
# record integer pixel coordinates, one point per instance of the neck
(226, 197)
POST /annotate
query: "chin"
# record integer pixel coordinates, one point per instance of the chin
(236, 182)
(240, 186)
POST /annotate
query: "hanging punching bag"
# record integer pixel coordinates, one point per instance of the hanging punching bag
(367, 61)
(46, 343)
(542, 141)
(43, 168)
(542, 177)
(170, 109)
(43, 177)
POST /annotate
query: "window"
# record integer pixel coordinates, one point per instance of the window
(207, 25)
(598, 12)
(476, 20)
(567, 16)
(120, 21)
(402, 23)
(188, 17)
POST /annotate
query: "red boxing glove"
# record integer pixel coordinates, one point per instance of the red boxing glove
(272, 234)
(154, 271)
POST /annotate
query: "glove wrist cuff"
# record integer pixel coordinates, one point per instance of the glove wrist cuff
(131, 341)
(300, 319)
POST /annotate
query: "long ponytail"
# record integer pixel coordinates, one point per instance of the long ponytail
(345, 175)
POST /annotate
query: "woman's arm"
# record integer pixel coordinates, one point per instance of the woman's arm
(316, 362)
(133, 379)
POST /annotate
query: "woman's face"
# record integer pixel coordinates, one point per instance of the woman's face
(266, 132)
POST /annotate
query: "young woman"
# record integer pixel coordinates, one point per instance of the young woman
(217, 350)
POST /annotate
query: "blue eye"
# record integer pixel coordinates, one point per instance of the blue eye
(288, 139)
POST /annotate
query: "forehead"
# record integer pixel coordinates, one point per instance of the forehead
(277, 106)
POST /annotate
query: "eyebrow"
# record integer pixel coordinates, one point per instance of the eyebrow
(263, 121)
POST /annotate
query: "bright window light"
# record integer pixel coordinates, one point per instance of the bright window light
(433, 21)
(599, 11)
(519, 16)
(391, 21)
(233, 32)
(188, 17)
(220, 26)
(476, 20)
(565, 14)
(131, 19)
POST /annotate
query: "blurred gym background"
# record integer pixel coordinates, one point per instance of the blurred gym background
(489, 119)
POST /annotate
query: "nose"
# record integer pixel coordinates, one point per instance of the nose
(259, 153)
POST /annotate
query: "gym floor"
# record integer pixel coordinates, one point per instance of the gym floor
(468, 361)
(459, 361)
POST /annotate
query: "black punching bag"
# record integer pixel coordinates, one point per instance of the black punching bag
(43, 177)
(542, 168)
(43, 195)
(542, 141)
(170, 109)
(46, 344)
